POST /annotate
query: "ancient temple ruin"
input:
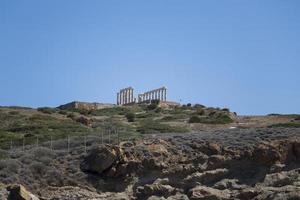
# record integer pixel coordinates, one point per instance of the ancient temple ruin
(125, 96)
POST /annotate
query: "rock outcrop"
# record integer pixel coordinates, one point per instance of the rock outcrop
(18, 192)
(177, 166)
(238, 164)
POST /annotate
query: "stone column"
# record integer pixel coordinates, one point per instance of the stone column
(165, 97)
(124, 97)
(162, 94)
(127, 96)
(118, 98)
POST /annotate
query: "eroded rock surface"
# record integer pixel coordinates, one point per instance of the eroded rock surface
(243, 164)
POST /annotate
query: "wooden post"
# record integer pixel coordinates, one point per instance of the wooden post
(85, 144)
(68, 143)
(11, 144)
(102, 137)
(118, 136)
(37, 141)
(108, 136)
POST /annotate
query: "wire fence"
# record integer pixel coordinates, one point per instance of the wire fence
(69, 142)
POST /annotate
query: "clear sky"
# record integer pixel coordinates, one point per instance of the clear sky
(241, 54)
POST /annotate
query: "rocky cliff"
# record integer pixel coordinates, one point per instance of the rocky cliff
(233, 164)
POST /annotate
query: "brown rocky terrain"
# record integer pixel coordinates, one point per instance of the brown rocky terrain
(257, 163)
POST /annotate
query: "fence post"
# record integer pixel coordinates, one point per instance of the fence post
(118, 136)
(68, 143)
(51, 147)
(108, 136)
(85, 144)
(102, 137)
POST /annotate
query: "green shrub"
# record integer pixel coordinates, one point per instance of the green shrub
(130, 117)
(219, 119)
(199, 106)
(71, 116)
(189, 105)
(63, 112)
(14, 112)
(200, 111)
(297, 118)
(158, 109)
(150, 126)
(152, 106)
(226, 109)
(194, 119)
(286, 125)
(47, 110)
(83, 120)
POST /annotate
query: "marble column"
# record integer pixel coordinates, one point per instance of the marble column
(118, 98)
(121, 97)
(124, 97)
(158, 94)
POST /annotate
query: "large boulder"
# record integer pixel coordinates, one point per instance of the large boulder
(18, 192)
(100, 159)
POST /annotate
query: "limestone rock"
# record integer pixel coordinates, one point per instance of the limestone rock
(99, 159)
(208, 193)
(18, 192)
(142, 192)
(232, 184)
(206, 177)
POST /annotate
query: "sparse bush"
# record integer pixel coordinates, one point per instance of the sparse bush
(199, 106)
(38, 168)
(189, 105)
(62, 112)
(286, 125)
(71, 116)
(152, 106)
(200, 111)
(150, 126)
(130, 117)
(14, 112)
(158, 109)
(194, 119)
(297, 118)
(226, 109)
(83, 120)
(47, 110)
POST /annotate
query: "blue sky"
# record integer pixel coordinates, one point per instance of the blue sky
(239, 54)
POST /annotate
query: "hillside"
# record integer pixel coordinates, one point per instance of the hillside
(18, 123)
(149, 151)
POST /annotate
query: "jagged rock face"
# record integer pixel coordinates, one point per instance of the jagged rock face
(207, 169)
(100, 159)
(18, 192)
(240, 164)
